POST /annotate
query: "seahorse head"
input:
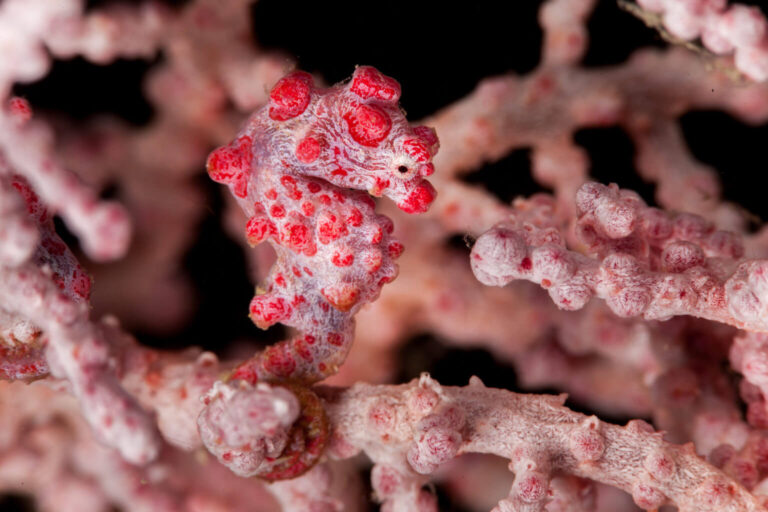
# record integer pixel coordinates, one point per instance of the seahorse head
(355, 135)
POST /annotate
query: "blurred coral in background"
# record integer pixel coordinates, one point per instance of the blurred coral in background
(564, 199)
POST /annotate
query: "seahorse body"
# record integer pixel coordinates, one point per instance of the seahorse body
(302, 169)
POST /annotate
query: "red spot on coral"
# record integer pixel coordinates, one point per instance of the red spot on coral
(313, 187)
(395, 249)
(290, 96)
(279, 280)
(325, 199)
(368, 124)
(271, 194)
(526, 264)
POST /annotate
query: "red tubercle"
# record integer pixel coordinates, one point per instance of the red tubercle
(241, 186)
(372, 260)
(342, 296)
(291, 187)
(277, 211)
(339, 172)
(228, 163)
(367, 124)
(395, 250)
(378, 187)
(368, 82)
(307, 208)
(343, 257)
(258, 229)
(308, 150)
(376, 235)
(266, 310)
(426, 170)
(278, 360)
(329, 227)
(313, 187)
(325, 199)
(271, 194)
(280, 280)
(295, 236)
(301, 348)
(335, 339)
(310, 250)
(429, 137)
(419, 199)
(290, 97)
(355, 218)
(417, 150)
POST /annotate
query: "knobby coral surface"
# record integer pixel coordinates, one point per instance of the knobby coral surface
(649, 307)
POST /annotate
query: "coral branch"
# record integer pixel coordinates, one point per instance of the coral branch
(646, 262)
(410, 430)
(738, 29)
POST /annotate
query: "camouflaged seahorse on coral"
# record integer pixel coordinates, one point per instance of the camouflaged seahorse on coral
(302, 169)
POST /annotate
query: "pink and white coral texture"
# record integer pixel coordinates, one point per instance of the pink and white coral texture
(470, 311)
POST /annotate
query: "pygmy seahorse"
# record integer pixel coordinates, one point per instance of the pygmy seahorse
(302, 169)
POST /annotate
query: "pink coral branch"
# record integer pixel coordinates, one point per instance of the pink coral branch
(410, 430)
(738, 29)
(645, 262)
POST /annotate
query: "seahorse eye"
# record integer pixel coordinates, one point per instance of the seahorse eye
(402, 169)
